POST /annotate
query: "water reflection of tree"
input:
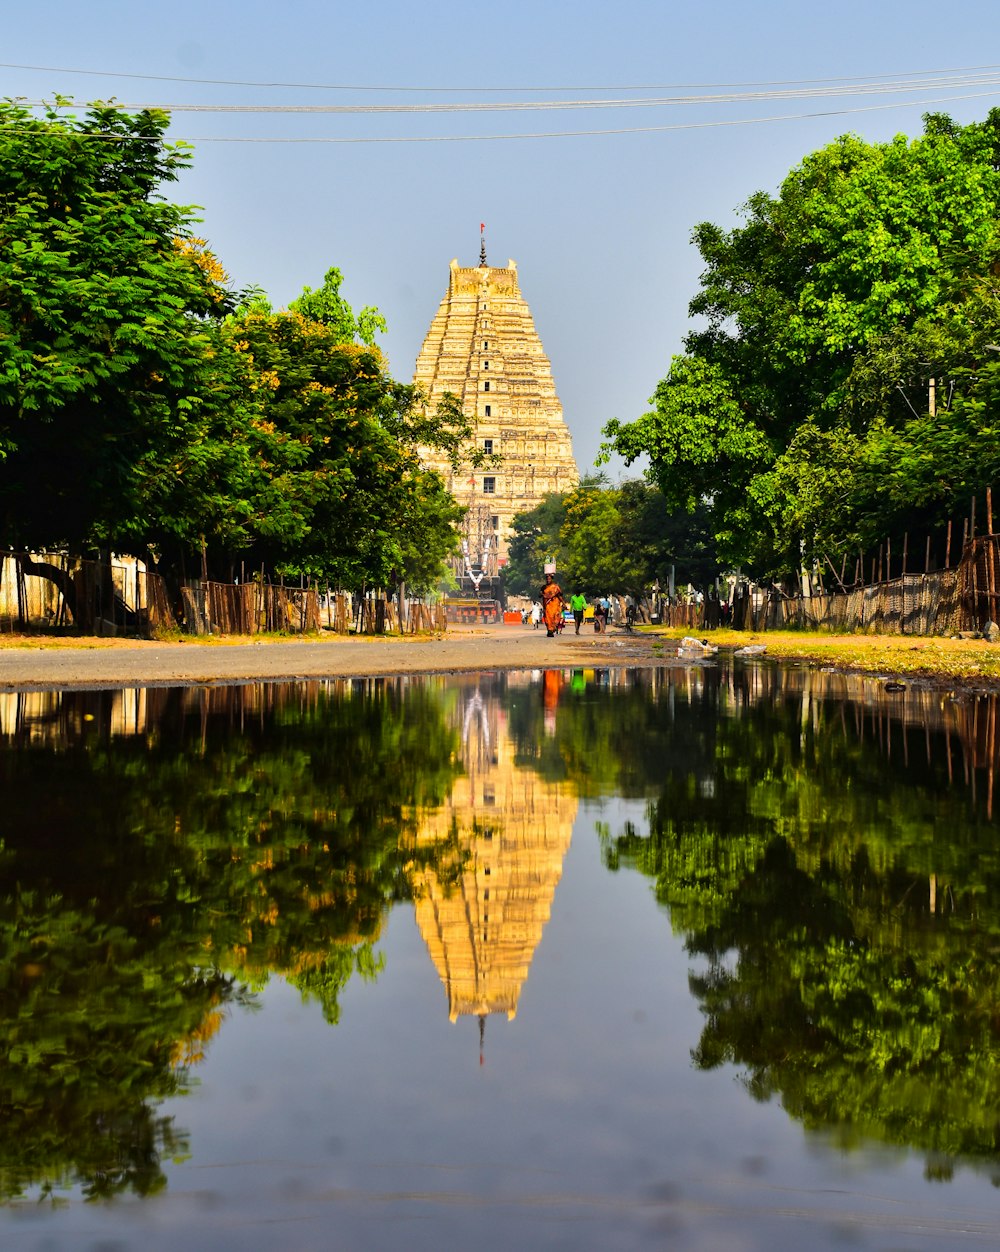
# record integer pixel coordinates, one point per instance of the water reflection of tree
(147, 881)
(842, 892)
(612, 729)
(846, 903)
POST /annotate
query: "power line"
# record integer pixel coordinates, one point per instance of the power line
(479, 88)
(555, 134)
(573, 134)
(483, 138)
(538, 106)
(534, 106)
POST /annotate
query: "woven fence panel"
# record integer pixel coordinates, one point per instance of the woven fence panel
(941, 603)
(422, 618)
(691, 616)
(153, 604)
(981, 581)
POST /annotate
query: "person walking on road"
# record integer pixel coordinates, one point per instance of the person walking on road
(552, 605)
(578, 603)
(629, 611)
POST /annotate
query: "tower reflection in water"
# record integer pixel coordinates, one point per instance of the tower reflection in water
(482, 909)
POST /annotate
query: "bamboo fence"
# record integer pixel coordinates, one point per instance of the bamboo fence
(53, 591)
(913, 604)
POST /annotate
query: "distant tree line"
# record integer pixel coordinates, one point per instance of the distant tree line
(148, 409)
(841, 383)
(610, 540)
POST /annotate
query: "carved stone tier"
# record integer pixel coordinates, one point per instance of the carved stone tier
(483, 348)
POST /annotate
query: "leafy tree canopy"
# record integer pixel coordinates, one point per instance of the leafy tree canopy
(107, 304)
(345, 497)
(328, 306)
(146, 409)
(610, 540)
(800, 409)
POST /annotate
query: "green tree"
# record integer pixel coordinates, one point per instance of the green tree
(328, 306)
(534, 541)
(345, 498)
(863, 254)
(611, 539)
(656, 541)
(901, 463)
(107, 310)
(141, 412)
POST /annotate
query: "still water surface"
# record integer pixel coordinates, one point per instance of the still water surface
(702, 958)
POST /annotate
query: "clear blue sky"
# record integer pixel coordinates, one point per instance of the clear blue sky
(599, 225)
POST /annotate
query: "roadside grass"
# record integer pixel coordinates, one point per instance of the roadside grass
(889, 654)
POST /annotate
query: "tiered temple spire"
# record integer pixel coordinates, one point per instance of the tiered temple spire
(483, 348)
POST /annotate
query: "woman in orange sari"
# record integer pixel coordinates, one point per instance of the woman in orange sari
(552, 605)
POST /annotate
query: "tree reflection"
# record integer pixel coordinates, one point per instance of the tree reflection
(148, 881)
(847, 911)
(830, 858)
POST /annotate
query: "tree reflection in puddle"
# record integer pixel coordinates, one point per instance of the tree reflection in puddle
(827, 853)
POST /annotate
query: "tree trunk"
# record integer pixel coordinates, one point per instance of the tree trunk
(62, 578)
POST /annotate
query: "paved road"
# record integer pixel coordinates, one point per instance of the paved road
(120, 663)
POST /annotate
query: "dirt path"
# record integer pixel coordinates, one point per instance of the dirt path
(32, 663)
(130, 663)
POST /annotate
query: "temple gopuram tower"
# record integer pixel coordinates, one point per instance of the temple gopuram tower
(483, 348)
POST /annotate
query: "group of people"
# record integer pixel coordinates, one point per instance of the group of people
(551, 603)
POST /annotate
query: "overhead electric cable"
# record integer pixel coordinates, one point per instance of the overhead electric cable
(541, 106)
(571, 134)
(556, 134)
(229, 82)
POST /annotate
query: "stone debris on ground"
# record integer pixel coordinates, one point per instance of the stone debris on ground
(689, 646)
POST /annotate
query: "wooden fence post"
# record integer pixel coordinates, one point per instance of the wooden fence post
(988, 551)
